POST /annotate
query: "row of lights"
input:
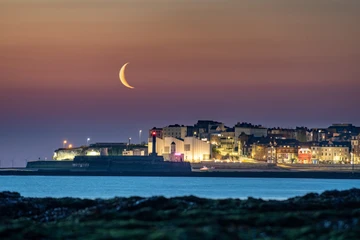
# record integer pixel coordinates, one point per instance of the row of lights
(88, 139)
(64, 144)
(70, 145)
(140, 131)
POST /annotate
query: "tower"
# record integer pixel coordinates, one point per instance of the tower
(153, 134)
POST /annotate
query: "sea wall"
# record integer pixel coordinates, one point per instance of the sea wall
(233, 166)
(50, 165)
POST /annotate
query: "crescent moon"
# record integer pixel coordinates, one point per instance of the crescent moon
(122, 76)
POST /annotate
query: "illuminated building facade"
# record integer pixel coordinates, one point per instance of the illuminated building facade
(196, 150)
(286, 153)
(173, 149)
(282, 133)
(68, 154)
(249, 129)
(158, 132)
(159, 146)
(136, 152)
(259, 151)
(227, 140)
(175, 131)
(305, 155)
(355, 152)
(331, 152)
(282, 151)
(191, 148)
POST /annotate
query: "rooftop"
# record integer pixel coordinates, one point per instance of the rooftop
(176, 125)
(248, 125)
(335, 144)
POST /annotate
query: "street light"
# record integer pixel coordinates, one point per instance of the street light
(64, 143)
(129, 140)
(87, 141)
(140, 136)
(70, 145)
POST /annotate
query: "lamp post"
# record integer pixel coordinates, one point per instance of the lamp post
(87, 141)
(70, 146)
(64, 143)
(129, 140)
(140, 136)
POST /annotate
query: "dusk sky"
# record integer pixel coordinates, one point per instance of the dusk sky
(272, 62)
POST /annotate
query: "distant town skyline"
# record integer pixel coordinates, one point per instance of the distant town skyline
(212, 140)
(20, 149)
(277, 63)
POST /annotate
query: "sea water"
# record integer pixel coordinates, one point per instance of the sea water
(107, 187)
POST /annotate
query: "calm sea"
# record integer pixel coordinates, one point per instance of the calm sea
(107, 187)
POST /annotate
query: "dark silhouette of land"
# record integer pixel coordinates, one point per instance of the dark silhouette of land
(330, 215)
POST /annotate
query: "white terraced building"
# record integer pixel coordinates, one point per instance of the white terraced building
(193, 149)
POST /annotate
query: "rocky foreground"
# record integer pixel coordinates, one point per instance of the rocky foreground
(330, 215)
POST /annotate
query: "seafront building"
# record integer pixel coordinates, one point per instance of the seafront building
(331, 152)
(191, 148)
(259, 151)
(285, 151)
(299, 133)
(175, 131)
(317, 135)
(305, 155)
(355, 153)
(250, 129)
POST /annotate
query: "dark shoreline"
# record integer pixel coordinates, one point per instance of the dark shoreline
(239, 174)
(329, 215)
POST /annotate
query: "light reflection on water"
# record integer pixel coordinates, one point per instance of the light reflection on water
(107, 187)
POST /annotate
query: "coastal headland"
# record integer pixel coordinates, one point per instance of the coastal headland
(329, 215)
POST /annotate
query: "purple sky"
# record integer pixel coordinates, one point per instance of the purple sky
(276, 62)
